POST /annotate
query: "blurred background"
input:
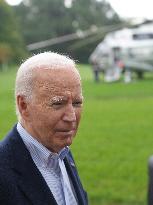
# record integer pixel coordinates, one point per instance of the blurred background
(115, 139)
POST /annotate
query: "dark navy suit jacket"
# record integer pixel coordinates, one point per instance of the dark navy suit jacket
(21, 183)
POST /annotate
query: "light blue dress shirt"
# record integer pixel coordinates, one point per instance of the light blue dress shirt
(52, 168)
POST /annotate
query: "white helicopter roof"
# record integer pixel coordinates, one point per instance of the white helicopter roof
(128, 38)
(118, 38)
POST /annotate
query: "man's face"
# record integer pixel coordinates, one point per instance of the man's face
(55, 109)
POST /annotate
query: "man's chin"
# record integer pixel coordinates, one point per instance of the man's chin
(68, 141)
(64, 142)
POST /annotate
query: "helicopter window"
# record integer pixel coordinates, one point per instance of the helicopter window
(143, 36)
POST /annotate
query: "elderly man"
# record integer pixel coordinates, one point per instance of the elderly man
(36, 165)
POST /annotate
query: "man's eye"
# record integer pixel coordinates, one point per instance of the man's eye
(57, 105)
(77, 104)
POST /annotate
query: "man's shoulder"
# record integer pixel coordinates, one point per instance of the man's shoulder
(6, 138)
(6, 144)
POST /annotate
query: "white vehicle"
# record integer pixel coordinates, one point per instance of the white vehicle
(124, 51)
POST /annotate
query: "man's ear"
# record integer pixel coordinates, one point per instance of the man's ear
(22, 106)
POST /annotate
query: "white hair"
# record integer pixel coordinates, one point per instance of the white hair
(25, 73)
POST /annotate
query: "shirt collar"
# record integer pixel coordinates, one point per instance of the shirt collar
(34, 146)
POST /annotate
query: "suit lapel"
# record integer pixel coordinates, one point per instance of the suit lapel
(72, 172)
(29, 178)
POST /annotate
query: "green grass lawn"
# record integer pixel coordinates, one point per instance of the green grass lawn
(115, 138)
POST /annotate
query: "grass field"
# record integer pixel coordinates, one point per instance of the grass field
(115, 138)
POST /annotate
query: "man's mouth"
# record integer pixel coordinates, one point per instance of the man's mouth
(66, 131)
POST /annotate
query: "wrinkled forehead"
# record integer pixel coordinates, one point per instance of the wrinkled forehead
(58, 81)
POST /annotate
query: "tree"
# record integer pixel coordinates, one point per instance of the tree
(11, 42)
(41, 20)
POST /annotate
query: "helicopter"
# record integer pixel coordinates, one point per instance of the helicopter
(123, 52)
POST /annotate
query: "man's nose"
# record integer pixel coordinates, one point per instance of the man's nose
(70, 114)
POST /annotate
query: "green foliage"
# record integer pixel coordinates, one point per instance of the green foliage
(11, 42)
(40, 19)
(114, 140)
(91, 12)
